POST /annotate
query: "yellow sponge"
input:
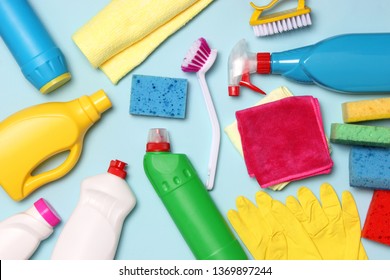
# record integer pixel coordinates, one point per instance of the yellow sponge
(365, 110)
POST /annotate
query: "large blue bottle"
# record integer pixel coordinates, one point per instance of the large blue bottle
(350, 63)
(40, 60)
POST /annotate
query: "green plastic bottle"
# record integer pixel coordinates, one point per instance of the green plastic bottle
(188, 202)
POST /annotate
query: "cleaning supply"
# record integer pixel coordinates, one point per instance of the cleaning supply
(376, 226)
(334, 228)
(158, 96)
(241, 64)
(268, 236)
(41, 61)
(349, 63)
(279, 22)
(366, 110)
(234, 135)
(365, 135)
(21, 234)
(188, 202)
(34, 135)
(94, 228)
(199, 59)
(232, 129)
(126, 32)
(284, 140)
(369, 167)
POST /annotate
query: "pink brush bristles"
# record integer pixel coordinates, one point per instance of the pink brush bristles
(196, 56)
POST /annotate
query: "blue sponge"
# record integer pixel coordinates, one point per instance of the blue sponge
(369, 167)
(158, 96)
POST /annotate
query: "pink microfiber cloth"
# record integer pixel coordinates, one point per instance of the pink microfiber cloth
(284, 140)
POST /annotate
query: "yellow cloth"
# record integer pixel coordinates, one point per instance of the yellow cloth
(334, 228)
(125, 32)
(271, 237)
(232, 129)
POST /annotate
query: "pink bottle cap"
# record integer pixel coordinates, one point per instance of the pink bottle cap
(47, 212)
(117, 168)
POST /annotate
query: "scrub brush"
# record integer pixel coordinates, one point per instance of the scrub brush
(199, 59)
(280, 21)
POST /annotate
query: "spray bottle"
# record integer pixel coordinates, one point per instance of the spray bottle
(350, 63)
(94, 228)
(21, 234)
(185, 197)
(40, 60)
(34, 135)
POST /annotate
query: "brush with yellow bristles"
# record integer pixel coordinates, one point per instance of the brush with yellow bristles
(270, 24)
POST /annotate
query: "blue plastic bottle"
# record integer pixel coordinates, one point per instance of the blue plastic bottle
(350, 63)
(40, 60)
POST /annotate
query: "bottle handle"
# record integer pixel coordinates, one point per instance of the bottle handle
(36, 181)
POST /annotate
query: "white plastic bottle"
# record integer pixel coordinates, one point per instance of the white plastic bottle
(21, 234)
(93, 230)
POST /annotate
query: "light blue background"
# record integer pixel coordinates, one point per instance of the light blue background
(149, 232)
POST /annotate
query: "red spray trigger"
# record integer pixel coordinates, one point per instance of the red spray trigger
(246, 82)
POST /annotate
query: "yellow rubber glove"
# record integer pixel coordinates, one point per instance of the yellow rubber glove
(334, 228)
(265, 236)
(260, 238)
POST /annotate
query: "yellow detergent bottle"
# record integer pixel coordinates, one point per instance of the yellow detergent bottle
(32, 136)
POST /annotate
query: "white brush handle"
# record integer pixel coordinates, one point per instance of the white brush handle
(216, 133)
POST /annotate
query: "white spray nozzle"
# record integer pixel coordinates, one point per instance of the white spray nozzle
(241, 64)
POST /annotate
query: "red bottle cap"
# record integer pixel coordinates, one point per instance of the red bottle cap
(117, 168)
(158, 140)
(234, 90)
(263, 63)
(158, 147)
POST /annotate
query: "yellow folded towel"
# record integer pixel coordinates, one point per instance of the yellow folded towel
(125, 32)
(232, 129)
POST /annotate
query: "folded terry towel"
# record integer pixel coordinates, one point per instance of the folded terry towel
(284, 140)
(125, 32)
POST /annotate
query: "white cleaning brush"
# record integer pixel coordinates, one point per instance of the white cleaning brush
(199, 59)
(280, 21)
